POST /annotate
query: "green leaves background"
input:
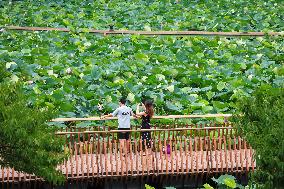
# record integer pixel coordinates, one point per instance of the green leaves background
(76, 71)
(222, 15)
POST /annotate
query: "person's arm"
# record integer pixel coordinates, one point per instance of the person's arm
(111, 115)
(137, 109)
(138, 113)
(108, 115)
(134, 115)
(141, 114)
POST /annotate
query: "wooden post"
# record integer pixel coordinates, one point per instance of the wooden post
(235, 151)
(87, 158)
(181, 154)
(252, 158)
(153, 156)
(221, 154)
(71, 161)
(76, 159)
(105, 156)
(116, 157)
(166, 154)
(111, 157)
(231, 154)
(136, 156)
(161, 157)
(246, 156)
(97, 156)
(146, 157)
(121, 160)
(82, 159)
(186, 154)
(201, 153)
(126, 157)
(13, 176)
(131, 158)
(92, 159)
(215, 153)
(226, 153)
(241, 153)
(176, 156)
(171, 154)
(196, 153)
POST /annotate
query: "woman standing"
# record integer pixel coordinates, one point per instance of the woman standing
(146, 115)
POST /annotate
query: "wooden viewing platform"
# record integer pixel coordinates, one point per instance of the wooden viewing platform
(176, 150)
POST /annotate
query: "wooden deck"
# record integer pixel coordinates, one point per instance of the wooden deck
(174, 151)
(111, 164)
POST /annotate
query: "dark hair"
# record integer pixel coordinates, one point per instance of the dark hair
(122, 100)
(149, 107)
(143, 100)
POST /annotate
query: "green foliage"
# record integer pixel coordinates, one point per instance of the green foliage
(76, 71)
(58, 74)
(27, 143)
(210, 15)
(262, 125)
(224, 182)
(148, 187)
(207, 186)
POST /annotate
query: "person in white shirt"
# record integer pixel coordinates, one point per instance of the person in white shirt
(123, 114)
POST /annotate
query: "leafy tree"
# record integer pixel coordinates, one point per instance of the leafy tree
(262, 125)
(27, 143)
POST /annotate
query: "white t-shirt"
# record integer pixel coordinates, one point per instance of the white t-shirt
(123, 114)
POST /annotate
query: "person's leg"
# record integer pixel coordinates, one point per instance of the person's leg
(121, 137)
(127, 140)
(122, 146)
(149, 143)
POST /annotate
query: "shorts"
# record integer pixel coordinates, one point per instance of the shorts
(123, 135)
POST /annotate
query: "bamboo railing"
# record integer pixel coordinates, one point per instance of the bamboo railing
(225, 116)
(151, 33)
(178, 149)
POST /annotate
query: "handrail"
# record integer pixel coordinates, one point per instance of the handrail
(133, 32)
(141, 130)
(154, 117)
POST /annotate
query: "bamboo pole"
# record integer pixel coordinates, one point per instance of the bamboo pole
(161, 157)
(241, 153)
(144, 130)
(226, 153)
(231, 153)
(76, 159)
(111, 160)
(181, 154)
(105, 157)
(136, 156)
(186, 154)
(221, 153)
(131, 158)
(154, 117)
(92, 158)
(81, 157)
(116, 157)
(151, 33)
(235, 152)
(196, 154)
(166, 154)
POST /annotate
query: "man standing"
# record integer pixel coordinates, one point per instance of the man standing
(123, 114)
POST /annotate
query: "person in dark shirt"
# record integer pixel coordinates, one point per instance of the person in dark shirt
(146, 115)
